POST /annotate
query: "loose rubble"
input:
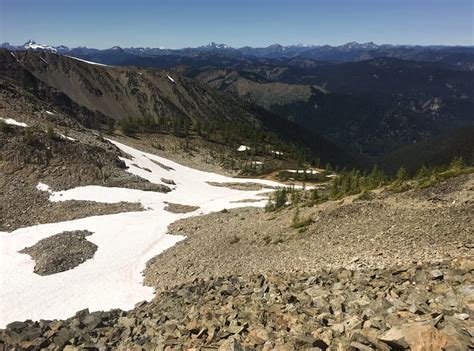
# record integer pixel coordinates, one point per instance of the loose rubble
(61, 252)
(341, 309)
(178, 208)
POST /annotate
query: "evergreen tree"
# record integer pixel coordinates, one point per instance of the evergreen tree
(457, 163)
(402, 175)
(110, 125)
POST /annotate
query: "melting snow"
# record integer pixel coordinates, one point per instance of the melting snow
(16, 58)
(126, 241)
(66, 137)
(171, 79)
(12, 122)
(42, 59)
(243, 148)
(49, 113)
(308, 171)
(43, 187)
(89, 62)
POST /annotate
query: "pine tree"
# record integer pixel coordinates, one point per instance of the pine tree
(457, 163)
(402, 175)
(423, 172)
(110, 125)
(328, 168)
(50, 132)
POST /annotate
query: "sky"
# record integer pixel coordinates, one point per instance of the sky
(191, 23)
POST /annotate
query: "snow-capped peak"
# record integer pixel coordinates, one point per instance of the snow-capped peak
(355, 45)
(218, 46)
(32, 45)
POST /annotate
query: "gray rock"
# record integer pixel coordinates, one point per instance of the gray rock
(395, 337)
(61, 252)
(436, 274)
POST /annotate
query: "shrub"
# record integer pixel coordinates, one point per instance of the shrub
(110, 126)
(457, 163)
(29, 136)
(278, 200)
(298, 222)
(402, 175)
(51, 135)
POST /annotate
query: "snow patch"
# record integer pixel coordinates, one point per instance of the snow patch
(243, 148)
(126, 241)
(66, 137)
(12, 122)
(42, 59)
(89, 62)
(171, 79)
(307, 171)
(43, 187)
(14, 56)
(32, 45)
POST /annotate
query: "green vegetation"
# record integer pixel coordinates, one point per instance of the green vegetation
(356, 183)
(297, 222)
(51, 135)
(29, 136)
(110, 125)
(277, 200)
(230, 133)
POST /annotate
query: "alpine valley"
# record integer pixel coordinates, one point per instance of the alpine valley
(252, 198)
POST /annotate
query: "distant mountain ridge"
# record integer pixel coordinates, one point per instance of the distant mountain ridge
(348, 52)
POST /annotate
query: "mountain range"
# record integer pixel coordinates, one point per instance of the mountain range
(461, 57)
(365, 99)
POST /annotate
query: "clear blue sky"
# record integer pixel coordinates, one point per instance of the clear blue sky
(183, 23)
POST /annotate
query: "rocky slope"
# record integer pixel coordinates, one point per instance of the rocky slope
(124, 92)
(391, 272)
(96, 95)
(65, 156)
(416, 307)
(385, 230)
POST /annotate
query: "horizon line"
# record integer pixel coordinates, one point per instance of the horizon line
(234, 47)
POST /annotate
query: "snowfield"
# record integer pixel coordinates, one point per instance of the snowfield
(126, 241)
